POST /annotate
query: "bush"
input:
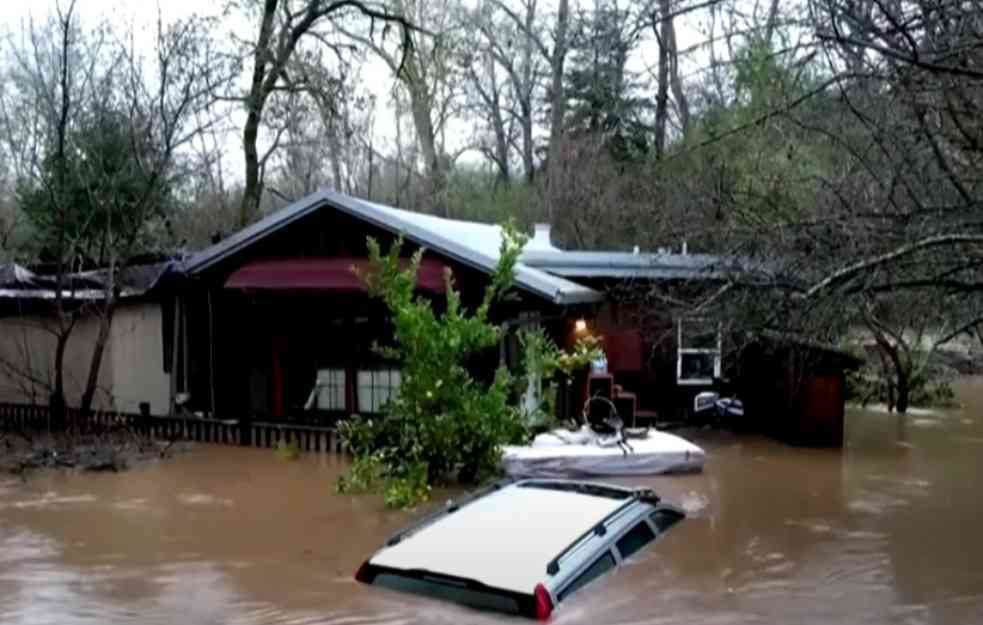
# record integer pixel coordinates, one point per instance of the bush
(443, 424)
(366, 474)
(287, 451)
(543, 362)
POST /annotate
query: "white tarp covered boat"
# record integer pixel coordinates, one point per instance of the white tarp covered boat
(562, 453)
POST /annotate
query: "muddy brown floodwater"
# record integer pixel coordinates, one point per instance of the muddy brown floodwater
(887, 530)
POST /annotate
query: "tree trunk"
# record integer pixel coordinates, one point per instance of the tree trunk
(95, 363)
(498, 123)
(56, 403)
(371, 157)
(525, 95)
(558, 102)
(528, 159)
(254, 104)
(252, 192)
(903, 391)
(661, 26)
(502, 153)
(436, 180)
(675, 82)
(335, 158)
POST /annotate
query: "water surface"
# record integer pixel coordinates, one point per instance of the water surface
(887, 530)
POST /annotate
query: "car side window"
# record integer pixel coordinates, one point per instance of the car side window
(665, 518)
(600, 566)
(636, 538)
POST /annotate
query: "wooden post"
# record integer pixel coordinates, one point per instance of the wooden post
(186, 359)
(211, 354)
(174, 353)
(279, 350)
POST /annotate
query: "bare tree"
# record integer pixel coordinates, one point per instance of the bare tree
(491, 107)
(426, 67)
(513, 41)
(283, 25)
(558, 101)
(107, 126)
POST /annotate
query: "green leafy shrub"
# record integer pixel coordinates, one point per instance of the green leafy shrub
(542, 362)
(408, 490)
(366, 474)
(287, 451)
(442, 423)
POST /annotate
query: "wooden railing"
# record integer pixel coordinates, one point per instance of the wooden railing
(24, 417)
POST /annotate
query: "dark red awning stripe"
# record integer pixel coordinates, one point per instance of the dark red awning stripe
(321, 274)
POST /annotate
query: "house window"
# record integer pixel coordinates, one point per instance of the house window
(376, 388)
(331, 389)
(698, 351)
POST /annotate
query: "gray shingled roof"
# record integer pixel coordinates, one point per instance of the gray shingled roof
(470, 243)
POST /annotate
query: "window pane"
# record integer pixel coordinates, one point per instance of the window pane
(365, 399)
(636, 538)
(664, 519)
(601, 566)
(480, 599)
(697, 366)
(376, 387)
(331, 389)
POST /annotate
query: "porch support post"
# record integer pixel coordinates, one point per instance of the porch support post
(175, 348)
(211, 353)
(186, 357)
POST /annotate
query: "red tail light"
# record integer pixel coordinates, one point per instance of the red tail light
(364, 573)
(544, 605)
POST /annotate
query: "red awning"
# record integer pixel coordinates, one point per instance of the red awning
(321, 274)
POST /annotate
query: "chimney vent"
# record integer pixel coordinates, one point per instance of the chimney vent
(540, 241)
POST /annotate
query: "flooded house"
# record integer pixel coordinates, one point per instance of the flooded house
(273, 322)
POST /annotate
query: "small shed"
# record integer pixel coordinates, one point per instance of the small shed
(794, 388)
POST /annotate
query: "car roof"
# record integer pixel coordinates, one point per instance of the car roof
(507, 538)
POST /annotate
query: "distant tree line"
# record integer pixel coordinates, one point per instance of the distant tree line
(833, 145)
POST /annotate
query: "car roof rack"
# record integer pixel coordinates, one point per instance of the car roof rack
(452, 506)
(596, 489)
(644, 495)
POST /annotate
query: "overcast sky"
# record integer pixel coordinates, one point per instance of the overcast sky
(376, 77)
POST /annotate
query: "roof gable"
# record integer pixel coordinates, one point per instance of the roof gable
(470, 243)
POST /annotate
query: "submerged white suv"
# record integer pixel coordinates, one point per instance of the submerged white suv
(520, 547)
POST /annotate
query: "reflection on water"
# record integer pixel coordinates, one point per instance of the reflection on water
(884, 531)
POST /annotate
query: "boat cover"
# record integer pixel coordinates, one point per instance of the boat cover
(562, 453)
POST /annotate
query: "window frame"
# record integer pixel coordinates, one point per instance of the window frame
(659, 531)
(682, 351)
(369, 405)
(571, 587)
(642, 522)
(341, 391)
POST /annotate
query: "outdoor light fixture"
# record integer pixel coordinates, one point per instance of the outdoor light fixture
(580, 325)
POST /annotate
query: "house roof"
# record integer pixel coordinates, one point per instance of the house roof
(17, 282)
(470, 243)
(13, 275)
(661, 266)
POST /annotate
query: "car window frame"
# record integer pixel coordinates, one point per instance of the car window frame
(681, 516)
(568, 588)
(645, 520)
